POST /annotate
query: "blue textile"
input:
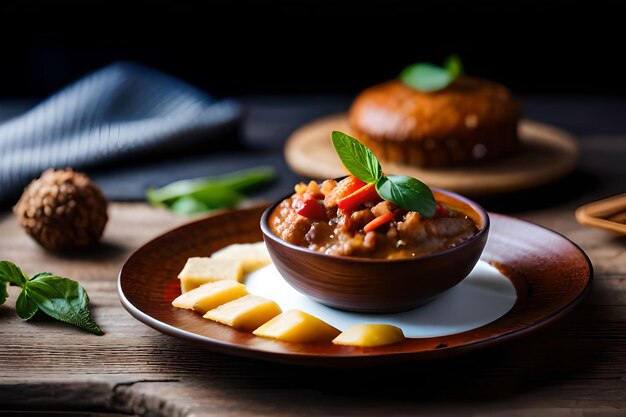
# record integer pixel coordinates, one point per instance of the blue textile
(121, 113)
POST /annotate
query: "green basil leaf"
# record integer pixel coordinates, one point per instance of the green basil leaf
(25, 306)
(173, 191)
(216, 196)
(41, 274)
(9, 272)
(407, 193)
(206, 188)
(357, 158)
(454, 66)
(64, 300)
(246, 179)
(3, 292)
(188, 205)
(426, 77)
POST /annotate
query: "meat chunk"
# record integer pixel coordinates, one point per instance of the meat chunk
(312, 187)
(370, 240)
(412, 228)
(448, 226)
(292, 227)
(319, 233)
(359, 219)
(383, 207)
(328, 186)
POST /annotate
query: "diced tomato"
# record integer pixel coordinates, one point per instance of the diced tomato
(378, 221)
(361, 196)
(309, 207)
(441, 211)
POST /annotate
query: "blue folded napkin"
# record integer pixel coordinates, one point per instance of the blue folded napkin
(121, 113)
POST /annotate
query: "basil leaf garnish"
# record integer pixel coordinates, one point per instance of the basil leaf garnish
(428, 77)
(60, 298)
(407, 193)
(9, 272)
(357, 158)
(454, 66)
(64, 300)
(25, 306)
(40, 274)
(3, 292)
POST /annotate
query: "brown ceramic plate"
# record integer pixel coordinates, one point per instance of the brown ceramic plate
(550, 274)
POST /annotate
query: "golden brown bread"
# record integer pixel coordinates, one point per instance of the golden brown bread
(471, 120)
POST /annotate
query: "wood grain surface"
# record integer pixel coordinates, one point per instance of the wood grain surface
(575, 365)
(573, 368)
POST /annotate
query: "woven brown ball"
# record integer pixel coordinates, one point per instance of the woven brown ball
(62, 209)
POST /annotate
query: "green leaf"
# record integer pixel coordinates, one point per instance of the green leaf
(454, 66)
(41, 274)
(357, 158)
(173, 191)
(3, 292)
(188, 205)
(207, 190)
(246, 179)
(64, 300)
(9, 272)
(426, 77)
(216, 196)
(25, 306)
(407, 193)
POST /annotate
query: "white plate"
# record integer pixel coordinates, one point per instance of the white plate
(484, 296)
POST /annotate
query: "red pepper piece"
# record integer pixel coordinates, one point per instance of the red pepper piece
(309, 208)
(378, 221)
(442, 211)
(361, 196)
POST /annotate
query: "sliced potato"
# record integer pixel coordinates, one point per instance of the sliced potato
(209, 296)
(245, 313)
(297, 326)
(253, 255)
(198, 271)
(368, 335)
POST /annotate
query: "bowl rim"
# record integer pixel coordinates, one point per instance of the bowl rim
(267, 232)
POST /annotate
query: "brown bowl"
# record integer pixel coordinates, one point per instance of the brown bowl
(379, 285)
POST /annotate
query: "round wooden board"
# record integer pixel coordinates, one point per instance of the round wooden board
(547, 154)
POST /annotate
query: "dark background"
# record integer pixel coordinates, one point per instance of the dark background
(302, 47)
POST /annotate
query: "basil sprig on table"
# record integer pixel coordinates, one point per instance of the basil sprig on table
(428, 77)
(405, 192)
(60, 298)
(203, 194)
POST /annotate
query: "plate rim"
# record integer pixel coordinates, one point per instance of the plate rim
(358, 359)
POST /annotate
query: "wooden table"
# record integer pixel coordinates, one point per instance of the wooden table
(574, 368)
